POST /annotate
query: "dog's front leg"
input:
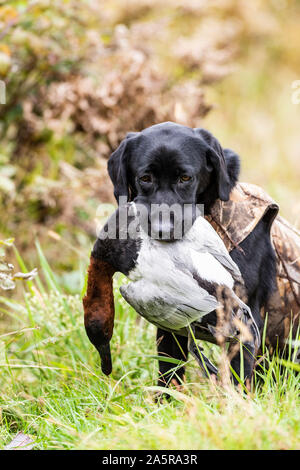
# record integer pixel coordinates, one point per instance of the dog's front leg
(99, 311)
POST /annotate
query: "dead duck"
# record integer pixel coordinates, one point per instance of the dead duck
(172, 285)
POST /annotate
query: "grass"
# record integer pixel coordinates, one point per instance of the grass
(52, 387)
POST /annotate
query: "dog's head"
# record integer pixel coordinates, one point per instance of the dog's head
(172, 164)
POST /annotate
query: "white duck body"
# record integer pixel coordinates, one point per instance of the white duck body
(168, 280)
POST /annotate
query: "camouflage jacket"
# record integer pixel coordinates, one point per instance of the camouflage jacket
(234, 220)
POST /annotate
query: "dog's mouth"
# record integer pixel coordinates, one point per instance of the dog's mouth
(164, 222)
(171, 225)
(161, 228)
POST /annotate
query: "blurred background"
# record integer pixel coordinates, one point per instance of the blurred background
(80, 74)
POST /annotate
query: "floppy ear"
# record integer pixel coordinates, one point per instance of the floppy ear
(117, 168)
(215, 156)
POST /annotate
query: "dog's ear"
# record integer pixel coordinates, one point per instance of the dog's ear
(233, 163)
(117, 168)
(215, 156)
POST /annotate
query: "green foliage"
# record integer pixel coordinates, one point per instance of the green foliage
(52, 387)
(80, 74)
(7, 277)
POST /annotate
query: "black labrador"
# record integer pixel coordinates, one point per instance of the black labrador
(174, 164)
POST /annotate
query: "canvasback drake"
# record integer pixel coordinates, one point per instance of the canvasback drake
(173, 285)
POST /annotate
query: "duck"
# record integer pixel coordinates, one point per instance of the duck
(175, 285)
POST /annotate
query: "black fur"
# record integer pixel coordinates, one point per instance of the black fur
(120, 253)
(164, 152)
(233, 166)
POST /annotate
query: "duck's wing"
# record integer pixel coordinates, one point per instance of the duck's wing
(173, 310)
(225, 259)
(211, 242)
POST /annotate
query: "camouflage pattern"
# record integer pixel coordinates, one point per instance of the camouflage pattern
(234, 220)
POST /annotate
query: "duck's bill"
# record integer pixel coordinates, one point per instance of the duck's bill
(105, 356)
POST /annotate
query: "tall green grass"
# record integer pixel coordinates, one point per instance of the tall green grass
(52, 387)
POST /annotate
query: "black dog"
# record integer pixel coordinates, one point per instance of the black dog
(169, 163)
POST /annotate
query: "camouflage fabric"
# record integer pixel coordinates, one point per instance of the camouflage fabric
(234, 220)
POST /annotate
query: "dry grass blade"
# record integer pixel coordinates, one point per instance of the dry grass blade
(20, 442)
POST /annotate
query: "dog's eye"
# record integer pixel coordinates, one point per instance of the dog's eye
(146, 179)
(185, 178)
